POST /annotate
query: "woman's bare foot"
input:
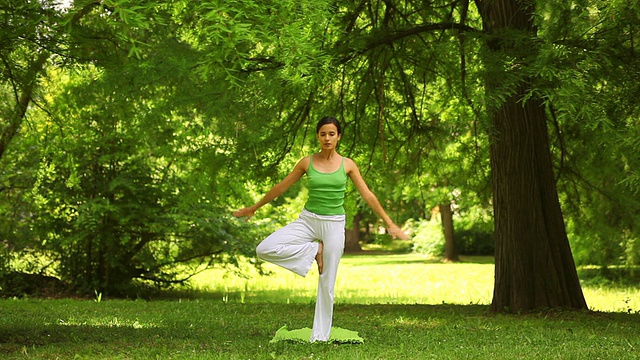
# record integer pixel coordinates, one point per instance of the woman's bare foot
(319, 257)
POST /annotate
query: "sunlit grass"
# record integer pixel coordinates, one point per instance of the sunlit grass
(612, 300)
(390, 279)
(395, 302)
(362, 279)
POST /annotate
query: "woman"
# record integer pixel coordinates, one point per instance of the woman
(318, 234)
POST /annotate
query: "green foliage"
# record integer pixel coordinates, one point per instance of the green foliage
(123, 191)
(151, 120)
(428, 237)
(595, 126)
(121, 204)
(474, 233)
(27, 40)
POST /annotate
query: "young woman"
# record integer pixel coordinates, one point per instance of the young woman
(318, 233)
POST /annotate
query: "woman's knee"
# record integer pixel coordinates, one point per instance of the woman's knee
(262, 250)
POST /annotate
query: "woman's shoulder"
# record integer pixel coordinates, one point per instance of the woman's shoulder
(303, 163)
(349, 165)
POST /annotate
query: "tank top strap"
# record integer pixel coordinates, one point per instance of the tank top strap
(311, 167)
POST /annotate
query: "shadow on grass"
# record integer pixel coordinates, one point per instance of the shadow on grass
(69, 341)
(244, 331)
(224, 323)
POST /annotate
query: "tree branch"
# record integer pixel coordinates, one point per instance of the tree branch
(374, 42)
(401, 34)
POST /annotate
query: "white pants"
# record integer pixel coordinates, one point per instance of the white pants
(294, 247)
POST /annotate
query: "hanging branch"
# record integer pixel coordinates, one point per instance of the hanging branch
(556, 127)
(381, 118)
(393, 36)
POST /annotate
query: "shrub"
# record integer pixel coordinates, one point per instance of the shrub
(473, 236)
(475, 240)
(428, 237)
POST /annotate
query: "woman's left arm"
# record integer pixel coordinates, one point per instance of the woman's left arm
(370, 198)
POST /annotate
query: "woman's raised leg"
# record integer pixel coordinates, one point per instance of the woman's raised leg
(292, 247)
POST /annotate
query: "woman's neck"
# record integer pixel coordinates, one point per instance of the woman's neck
(327, 154)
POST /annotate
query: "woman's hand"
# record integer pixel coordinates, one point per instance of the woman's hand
(397, 233)
(244, 212)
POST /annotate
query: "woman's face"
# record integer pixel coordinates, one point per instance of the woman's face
(328, 136)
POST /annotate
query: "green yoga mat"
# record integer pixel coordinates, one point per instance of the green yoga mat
(338, 335)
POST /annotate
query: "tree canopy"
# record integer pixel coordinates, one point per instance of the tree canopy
(130, 129)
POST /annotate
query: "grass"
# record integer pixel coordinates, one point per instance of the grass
(404, 306)
(392, 279)
(386, 279)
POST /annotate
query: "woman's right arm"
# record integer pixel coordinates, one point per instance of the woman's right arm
(298, 171)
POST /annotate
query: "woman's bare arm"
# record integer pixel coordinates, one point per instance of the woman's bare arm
(370, 198)
(298, 171)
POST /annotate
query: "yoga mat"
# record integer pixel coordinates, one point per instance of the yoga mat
(338, 335)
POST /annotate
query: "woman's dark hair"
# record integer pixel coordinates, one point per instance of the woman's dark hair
(329, 120)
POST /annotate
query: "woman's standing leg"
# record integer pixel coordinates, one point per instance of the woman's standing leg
(332, 236)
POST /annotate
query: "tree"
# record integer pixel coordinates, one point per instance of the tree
(392, 51)
(534, 264)
(120, 198)
(450, 250)
(22, 65)
(30, 37)
(236, 85)
(126, 189)
(594, 127)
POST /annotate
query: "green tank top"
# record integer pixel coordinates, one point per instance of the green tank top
(326, 190)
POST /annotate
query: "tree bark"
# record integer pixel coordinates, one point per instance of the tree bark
(534, 265)
(352, 236)
(23, 99)
(450, 249)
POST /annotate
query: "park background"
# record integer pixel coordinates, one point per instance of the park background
(503, 135)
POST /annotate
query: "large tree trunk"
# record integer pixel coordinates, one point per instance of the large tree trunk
(450, 250)
(352, 236)
(534, 265)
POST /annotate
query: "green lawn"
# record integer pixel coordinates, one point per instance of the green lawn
(404, 306)
(391, 279)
